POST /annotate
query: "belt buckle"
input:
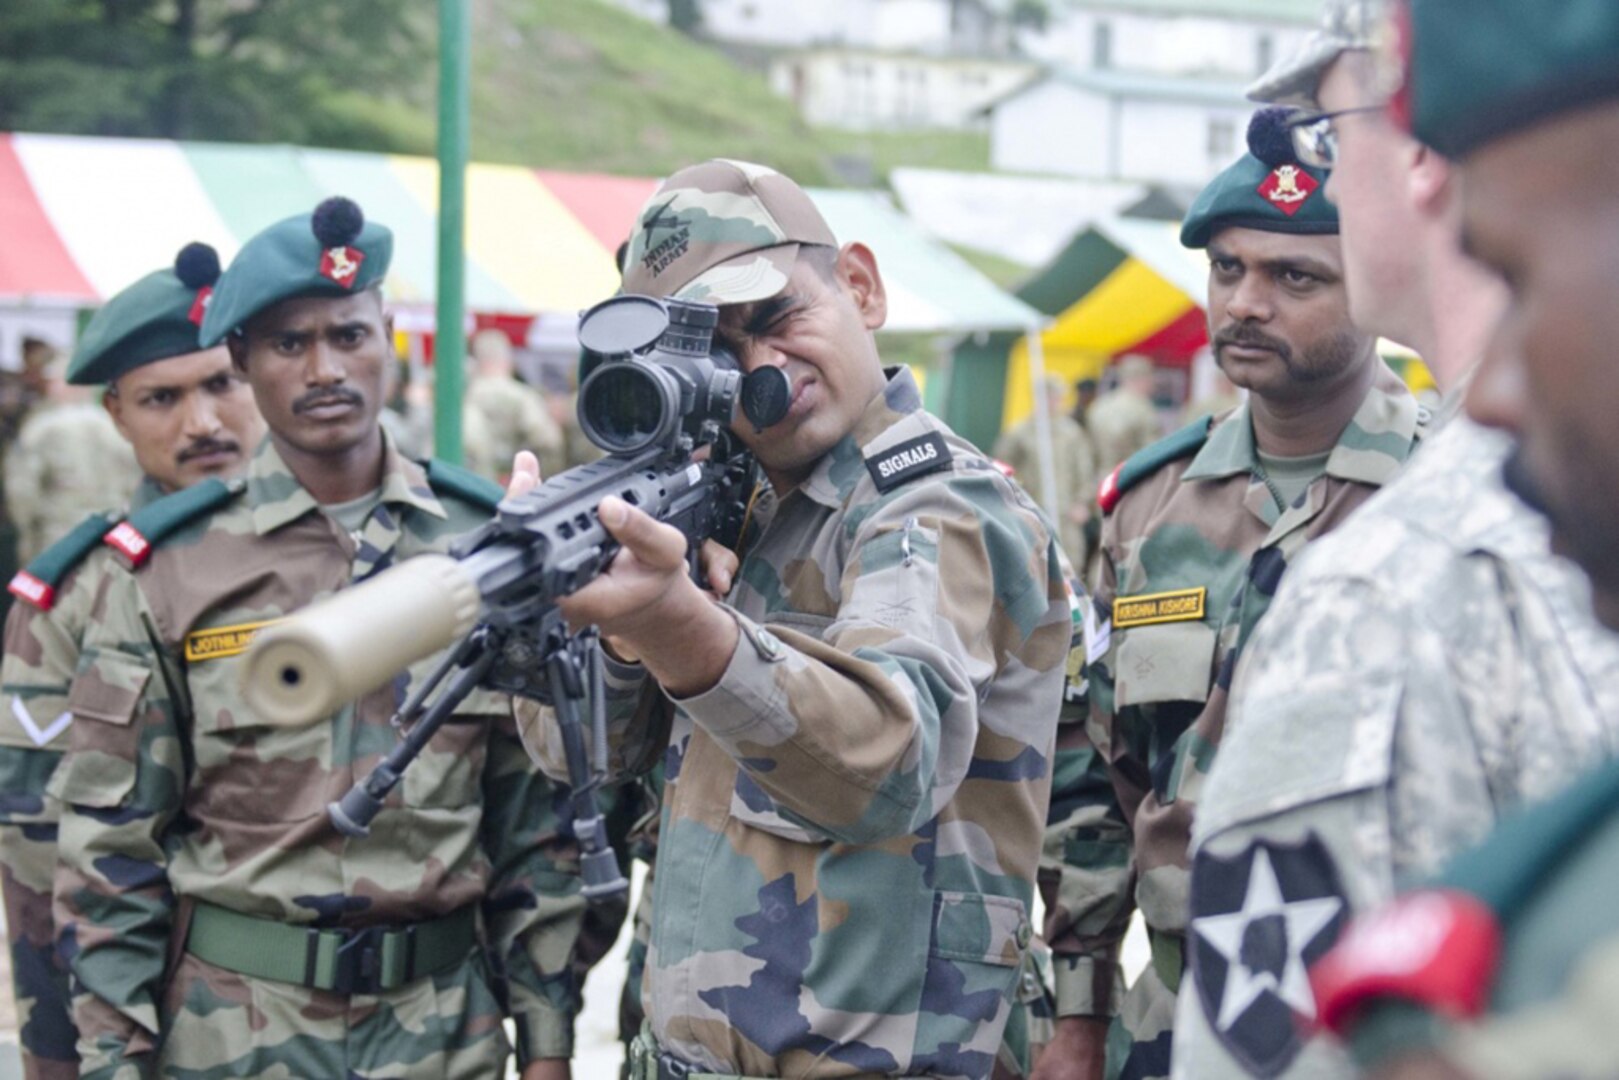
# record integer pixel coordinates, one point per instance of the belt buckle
(358, 968)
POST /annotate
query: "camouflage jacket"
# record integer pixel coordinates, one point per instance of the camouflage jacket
(41, 656)
(852, 815)
(1422, 670)
(172, 792)
(69, 461)
(507, 416)
(1191, 556)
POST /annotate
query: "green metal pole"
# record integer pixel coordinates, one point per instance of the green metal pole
(449, 353)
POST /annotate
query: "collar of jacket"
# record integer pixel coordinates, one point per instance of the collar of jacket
(276, 498)
(841, 468)
(1371, 450)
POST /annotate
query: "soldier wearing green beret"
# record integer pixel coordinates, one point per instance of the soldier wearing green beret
(1506, 966)
(1199, 529)
(214, 919)
(189, 416)
(1430, 665)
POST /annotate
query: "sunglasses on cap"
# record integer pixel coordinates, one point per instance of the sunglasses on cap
(1315, 135)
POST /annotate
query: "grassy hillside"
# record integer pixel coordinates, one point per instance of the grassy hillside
(577, 84)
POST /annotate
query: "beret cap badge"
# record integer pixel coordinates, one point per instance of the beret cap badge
(1270, 139)
(337, 223)
(197, 267)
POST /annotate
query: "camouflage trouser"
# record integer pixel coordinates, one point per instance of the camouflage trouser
(221, 1024)
(38, 976)
(1138, 1043)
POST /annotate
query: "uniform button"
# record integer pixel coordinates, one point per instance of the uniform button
(1025, 934)
(769, 646)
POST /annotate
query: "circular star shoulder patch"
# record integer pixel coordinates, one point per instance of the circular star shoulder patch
(1259, 920)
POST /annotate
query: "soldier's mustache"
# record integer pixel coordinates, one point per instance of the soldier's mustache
(1243, 334)
(337, 395)
(204, 447)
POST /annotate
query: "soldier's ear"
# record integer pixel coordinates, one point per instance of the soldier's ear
(860, 278)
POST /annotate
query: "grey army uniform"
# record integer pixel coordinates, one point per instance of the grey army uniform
(1422, 670)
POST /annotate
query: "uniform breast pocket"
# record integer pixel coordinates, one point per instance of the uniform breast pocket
(245, 769)
(446, 775)
(1170, 662)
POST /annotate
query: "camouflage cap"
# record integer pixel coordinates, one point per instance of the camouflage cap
(1345, 25)
(1478, 70)
(154, 319)
(723, 232)
(333, 251)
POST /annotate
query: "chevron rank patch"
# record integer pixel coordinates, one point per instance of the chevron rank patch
(223, 641)
(1181, 605)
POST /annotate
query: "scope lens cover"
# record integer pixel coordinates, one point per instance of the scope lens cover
(766, 396)
(623, 324)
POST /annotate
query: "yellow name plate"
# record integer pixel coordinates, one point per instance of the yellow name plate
(1182, 605)
(223, 641)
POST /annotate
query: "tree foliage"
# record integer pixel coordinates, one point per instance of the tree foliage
(333, 72)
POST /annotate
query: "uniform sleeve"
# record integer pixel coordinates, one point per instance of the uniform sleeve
(41, 655)
(120, 784)
(1086, 869)
(542, 934)
(865, 732)
(637, 725)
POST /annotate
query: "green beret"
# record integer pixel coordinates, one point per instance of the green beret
(153, 319)
(331, 252)
(1267, 189)
(1480, 69)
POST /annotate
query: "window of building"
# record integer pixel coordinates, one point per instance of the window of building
(1102, 45)
(1222, 139)
(1265, 48)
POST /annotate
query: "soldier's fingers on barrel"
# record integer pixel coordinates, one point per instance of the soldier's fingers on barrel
(525, 474)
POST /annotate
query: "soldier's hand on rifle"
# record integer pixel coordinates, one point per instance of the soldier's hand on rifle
(650, 606)
(719, 562)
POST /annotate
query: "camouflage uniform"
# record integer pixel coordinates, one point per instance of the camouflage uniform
(1074, 465)
(852, 816)
(177, 803)
(1191, 557)
(69, 461)
(1122, 423)
(506, 416)
(41, 655)
(1424, 668)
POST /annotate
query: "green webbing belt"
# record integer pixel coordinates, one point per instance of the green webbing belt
(644, 1063)
(1168, 958)
(364, 961)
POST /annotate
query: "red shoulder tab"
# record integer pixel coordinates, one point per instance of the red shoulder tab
(1438, 948)
(128, 542)
(1108, 495)
(1003, 468)
(26, 586)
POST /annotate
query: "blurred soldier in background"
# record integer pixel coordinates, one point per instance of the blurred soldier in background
(68, 461)
(1199, 531)
(1074, 472)
(504, 415)
(1509, 967)
(1222, 397)
(20, 391)
(189, 416)
(1423, 669)
(1124, 420)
